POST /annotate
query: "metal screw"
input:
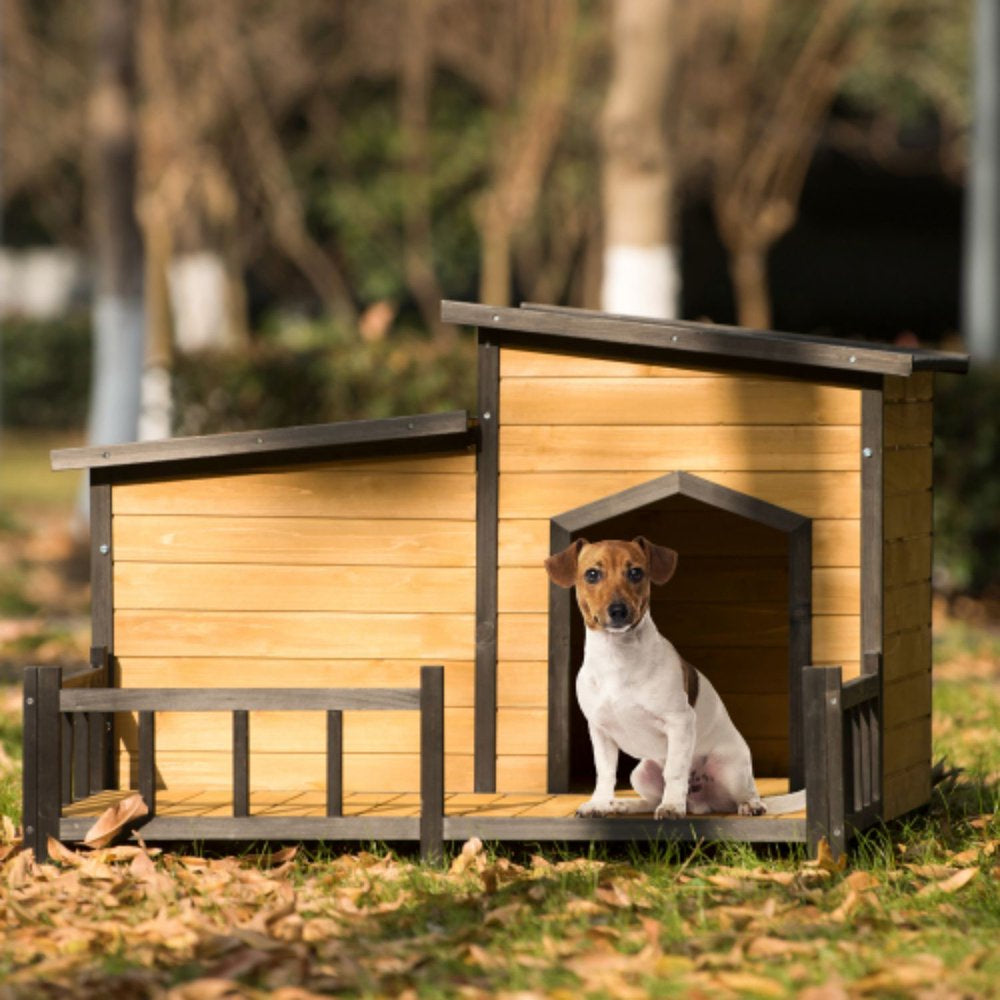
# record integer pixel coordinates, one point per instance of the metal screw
(836, 831)
(104, 549)
(409, 426)
(496, 317)
(852, 359)
(105, 454)
(29, 830)
(260, 440)
(29, 701)
(833, 700)
(867, 452)
(487, 415)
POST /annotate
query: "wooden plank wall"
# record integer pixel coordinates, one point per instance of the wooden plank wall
(908, 525)
(347, 574)
(575, 430)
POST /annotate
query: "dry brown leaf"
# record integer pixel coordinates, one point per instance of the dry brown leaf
(932, 871)
(957, 881)
(612, 894)
(114, 819)
(861, 881)
(749, 982)
(472, 850)
(982, 821)
(8, 832)
(772, 947)
(61, 853)
(825, 860)
(916, 971)
(833, 990)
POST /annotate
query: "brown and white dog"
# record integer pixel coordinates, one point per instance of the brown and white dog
(640, 696)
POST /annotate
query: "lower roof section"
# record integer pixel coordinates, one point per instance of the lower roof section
(278, 446)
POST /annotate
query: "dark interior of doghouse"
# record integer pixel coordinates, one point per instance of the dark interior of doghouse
(727, 612)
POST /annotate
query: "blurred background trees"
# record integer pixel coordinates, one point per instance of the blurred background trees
(311, 177)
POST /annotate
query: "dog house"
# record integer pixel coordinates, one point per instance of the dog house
(345, 631)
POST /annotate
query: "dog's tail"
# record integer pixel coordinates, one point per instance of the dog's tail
(778, 805)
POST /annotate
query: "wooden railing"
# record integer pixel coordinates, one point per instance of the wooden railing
(62, 763)
(843, 752)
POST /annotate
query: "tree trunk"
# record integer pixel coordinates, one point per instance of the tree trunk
(118, 314)
(748, 270)
(641, 274)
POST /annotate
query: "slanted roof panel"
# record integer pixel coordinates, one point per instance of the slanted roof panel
(283, 444)
(678, 338)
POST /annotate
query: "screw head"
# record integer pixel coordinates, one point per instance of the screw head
(29, 701)
(867, 452)
(104, 549)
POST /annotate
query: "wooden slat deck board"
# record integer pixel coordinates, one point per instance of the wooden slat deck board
(193, 803)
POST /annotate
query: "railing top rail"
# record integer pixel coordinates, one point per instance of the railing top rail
(237, 699)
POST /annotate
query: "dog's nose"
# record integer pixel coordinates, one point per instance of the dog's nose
(618, 613)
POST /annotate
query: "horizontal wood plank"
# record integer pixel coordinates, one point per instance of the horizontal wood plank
(516, 363)
(307, 771)
(908, 606)
(908, 560)
(716, 448)
(705, 400)
(302, 732)
(907, 699)
(525, 543)
(247, 587)
(907, 744)
(310, 635)
(906, 515)
(906, 790)
(201, 671)
(316, 541)
(834, 495)
(907, 653)
(907, 470)
(311, 491)
(908, 424)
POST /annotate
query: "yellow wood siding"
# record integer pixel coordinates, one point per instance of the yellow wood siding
(339, 574)
(575, 430)
(907, 517)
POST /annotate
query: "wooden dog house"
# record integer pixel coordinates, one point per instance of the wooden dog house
(297, 581)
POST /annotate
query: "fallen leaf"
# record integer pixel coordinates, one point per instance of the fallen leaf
(918, 970)
(471, 851)
(861, 881)
(61, 853)
(749, 982)
(773, 947)
(957, 881)
(824, 858)
(114, 819)
(982, 821)
(932, 871)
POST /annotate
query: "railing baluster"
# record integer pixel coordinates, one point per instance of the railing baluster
(334, 763)
(431, 763)
(147, 760)
(241, 763)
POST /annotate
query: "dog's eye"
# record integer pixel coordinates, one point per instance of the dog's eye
(592, 575)
(635, 574)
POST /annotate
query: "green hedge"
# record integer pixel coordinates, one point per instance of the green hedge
(967, 482)
(44, 373)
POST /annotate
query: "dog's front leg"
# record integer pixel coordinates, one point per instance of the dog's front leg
(679, 729)
(602, 802)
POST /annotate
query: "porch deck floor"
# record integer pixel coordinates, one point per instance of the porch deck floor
(198, 803)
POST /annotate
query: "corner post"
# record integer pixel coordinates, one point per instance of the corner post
(824, 758)
(42, 779)
(487, 514)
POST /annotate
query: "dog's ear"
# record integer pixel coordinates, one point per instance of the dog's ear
(662, 561)
(561, 567)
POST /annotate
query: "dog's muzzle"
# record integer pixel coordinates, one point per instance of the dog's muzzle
(619, 618)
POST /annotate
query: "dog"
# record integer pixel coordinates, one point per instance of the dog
(639, 696)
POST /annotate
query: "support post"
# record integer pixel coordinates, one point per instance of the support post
(42, 776)
(335, 763)
(824, 747)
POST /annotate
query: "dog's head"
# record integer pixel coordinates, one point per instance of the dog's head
(612, 579)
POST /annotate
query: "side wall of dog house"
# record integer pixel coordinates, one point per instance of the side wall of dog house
(908, 525)
(352, 573)
(575, 430)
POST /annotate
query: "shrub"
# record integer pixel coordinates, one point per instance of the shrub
(967, 482)
(45, 374)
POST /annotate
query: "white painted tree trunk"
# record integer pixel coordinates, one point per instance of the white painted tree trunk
(641, 266)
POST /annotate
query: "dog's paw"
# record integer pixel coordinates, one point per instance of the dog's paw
(752, 808)
(597, 808)
(670, 810)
